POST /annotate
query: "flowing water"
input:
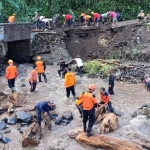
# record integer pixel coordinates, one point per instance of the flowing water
(127, 99)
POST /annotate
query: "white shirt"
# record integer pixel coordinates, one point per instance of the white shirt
(79, 62)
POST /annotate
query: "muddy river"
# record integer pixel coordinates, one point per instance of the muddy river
(127, 99)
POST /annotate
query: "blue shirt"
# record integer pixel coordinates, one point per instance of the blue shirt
(43, 107)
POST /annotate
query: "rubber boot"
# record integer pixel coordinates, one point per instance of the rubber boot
(84, 127)
(90, 133)
(13, 89)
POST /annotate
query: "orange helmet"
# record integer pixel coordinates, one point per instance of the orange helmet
(10, 61)
(91, 87)
(38, 58)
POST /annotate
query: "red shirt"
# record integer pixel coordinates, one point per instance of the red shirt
(67, 17)
(96, 16)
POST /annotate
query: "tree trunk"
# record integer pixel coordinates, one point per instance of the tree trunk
(106, 142)
(32, 135)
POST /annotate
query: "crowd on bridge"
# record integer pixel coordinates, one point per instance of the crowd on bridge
(42, 22)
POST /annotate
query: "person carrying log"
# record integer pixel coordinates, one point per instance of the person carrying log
(96, 17)
(63, 66)
(41, 67)
(44, 108)
(111, 82)
(11, 74)
(70, 83)
(89, 105)
(33, 78)
(105, 99)
(68, 18)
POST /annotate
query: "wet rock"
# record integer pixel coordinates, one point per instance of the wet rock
(21, 130)
(58, 121)
(134, 114)
(53, 116)
(4, 119)
(1, 136)
(6, 140)
(145, 105)
(118, 75)
(23, 124)
(23, 116)
(2, 125)
(65, 121)
(6, 131)
(67, 115)
(11, 121)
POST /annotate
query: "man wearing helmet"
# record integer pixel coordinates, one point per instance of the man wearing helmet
(44, 108)
(41, 67)
(89, 105)
(11, 74)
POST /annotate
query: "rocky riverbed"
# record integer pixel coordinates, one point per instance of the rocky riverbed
(127, 100)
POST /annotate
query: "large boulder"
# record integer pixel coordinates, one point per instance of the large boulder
(23, 116)
(67, 115)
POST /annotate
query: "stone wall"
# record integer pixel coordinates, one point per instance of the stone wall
(50, 46)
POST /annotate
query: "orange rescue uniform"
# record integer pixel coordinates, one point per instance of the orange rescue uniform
(83, 14)
(89, 100)
(104, 97)
(33, 76)
(11, 72)
(70, 79)
(11, 19)
(40, 67)
(87, 17)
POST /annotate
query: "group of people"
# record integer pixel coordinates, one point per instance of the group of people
(141, 16)
(86, 102)
(84, 18)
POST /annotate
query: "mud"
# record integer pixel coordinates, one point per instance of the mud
(127, 99)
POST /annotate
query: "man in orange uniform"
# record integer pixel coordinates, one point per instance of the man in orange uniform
(11, 74)
(33, 78)
(70, 82)
(41, 67)
(82, 17)
(89, 105)
(105, 99)
(11, 19)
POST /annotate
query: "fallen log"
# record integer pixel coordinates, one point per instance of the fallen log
(139, 139)
(32, 135)
(106, 142)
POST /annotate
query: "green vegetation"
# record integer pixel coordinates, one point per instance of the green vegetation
(97, 67)
(24, 9)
